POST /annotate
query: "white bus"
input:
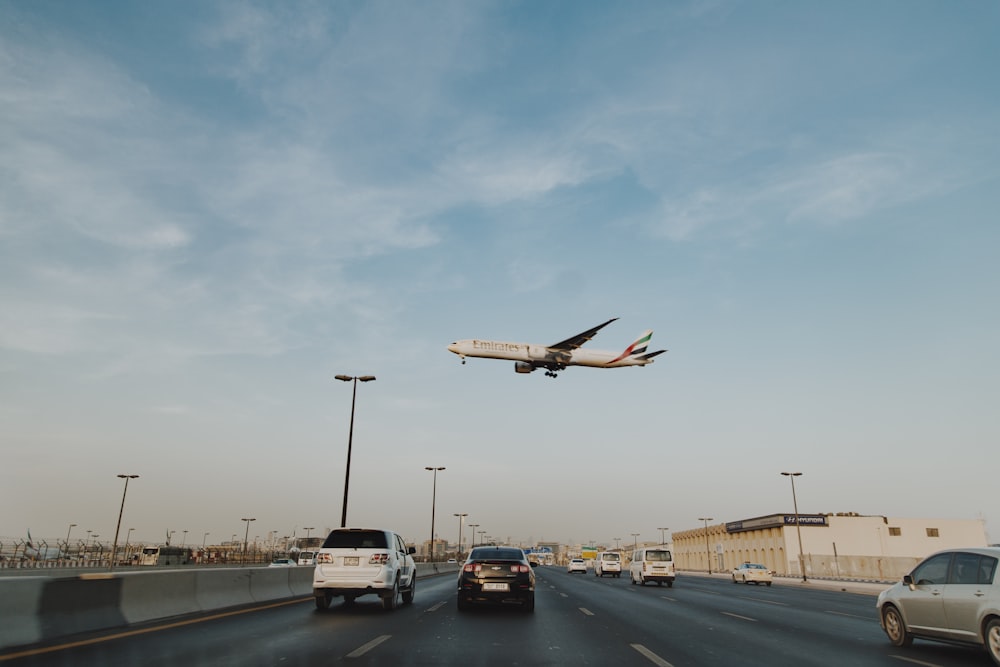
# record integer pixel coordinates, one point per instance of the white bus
(164, 555)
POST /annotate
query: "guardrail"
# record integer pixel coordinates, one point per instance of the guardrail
(35, 609)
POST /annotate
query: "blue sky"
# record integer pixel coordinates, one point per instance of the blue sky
(209, 209)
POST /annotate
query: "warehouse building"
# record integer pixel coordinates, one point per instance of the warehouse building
(845, 545)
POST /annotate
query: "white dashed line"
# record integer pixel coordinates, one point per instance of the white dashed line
(745, 618)
(586, 611)
(361, 650)
(649, 655)
(437, 606)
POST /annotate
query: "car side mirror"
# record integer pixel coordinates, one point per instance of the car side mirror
(533, 563)
(908, 580)
(411, 550)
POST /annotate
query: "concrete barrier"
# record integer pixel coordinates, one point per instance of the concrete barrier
(149, 595)
(221, 588)
(20, 600)
(34, 609)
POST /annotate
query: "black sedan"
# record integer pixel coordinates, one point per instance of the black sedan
(498, 575)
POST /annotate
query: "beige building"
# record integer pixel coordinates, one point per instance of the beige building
(833, 545)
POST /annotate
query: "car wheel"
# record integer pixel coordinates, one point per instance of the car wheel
(323, 601)
(992, 636)
(408, 593)
(734, 578)
(744, 579)
(389, 601)
(895, 628)
(631, 578)
(768, 583)
(670, 584)
(529, 604)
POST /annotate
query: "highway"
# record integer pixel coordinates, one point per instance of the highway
(579, 620)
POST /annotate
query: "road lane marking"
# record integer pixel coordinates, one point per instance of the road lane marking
(915, 662)
(586, 611)
(361, 650)
(437, 606)
(747, 597)
(131, 633)
(564, 595)
(666, 598)
(745, 618)
(649, 655)
(840, 613)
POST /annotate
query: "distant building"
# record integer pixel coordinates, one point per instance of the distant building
(844, 545)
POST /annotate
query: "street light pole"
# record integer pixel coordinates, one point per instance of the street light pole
(127, 536)
(246, 538)
(350, 437)
(433, 503)
(635, 540)
(662, 539)
(67, 537)
(708, 548)
(114, 547)
(473, 526)
(798, 526)
(461, 522)
(618, 543)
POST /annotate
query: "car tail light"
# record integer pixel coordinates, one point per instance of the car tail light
(324, 558)
(473, 567)
(520, 568)
(378, 559)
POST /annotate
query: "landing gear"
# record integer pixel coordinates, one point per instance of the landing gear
(550, 374)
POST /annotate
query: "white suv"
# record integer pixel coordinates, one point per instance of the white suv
(363, 561)
(608, 562)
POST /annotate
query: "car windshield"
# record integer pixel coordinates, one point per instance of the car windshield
(658, 555)
(356, 539)
(496, 553)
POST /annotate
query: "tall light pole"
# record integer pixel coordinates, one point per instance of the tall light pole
(798, 527)
(473, 526)
(461, 522)
(114, 547)
(708, 548)
(184, 539)
(662, 531)
(433, 503)
(350, 437)
(308, 530)
(127, 536)
(67, 537)
(618, 543)
(635, 540)
(246, 538)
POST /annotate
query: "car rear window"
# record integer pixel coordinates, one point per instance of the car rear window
(497, 554)
(356, 539)
(609, 557)
(658, 555)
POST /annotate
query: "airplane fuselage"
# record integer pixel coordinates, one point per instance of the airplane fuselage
(542, 355)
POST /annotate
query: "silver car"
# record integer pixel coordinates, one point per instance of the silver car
(951, 596)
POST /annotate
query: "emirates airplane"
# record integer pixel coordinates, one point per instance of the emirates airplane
(554, 358)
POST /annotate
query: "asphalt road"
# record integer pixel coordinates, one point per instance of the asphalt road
(579, 620)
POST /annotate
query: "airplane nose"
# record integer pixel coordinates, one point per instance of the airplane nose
(453, 348)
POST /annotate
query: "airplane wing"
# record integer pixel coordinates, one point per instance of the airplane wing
(581, 338)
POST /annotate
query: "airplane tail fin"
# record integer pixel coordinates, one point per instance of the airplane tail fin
(637, 348)
(647, 357)
(29, 540)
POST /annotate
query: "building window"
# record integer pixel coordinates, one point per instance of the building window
(932, 532)
(895, 531)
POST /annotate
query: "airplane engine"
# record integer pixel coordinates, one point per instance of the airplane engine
(523, 367)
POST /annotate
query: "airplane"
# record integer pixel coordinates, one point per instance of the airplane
(42, 552)
(554, 358)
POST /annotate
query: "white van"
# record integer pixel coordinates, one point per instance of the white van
(652, 564)
(608, 562)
